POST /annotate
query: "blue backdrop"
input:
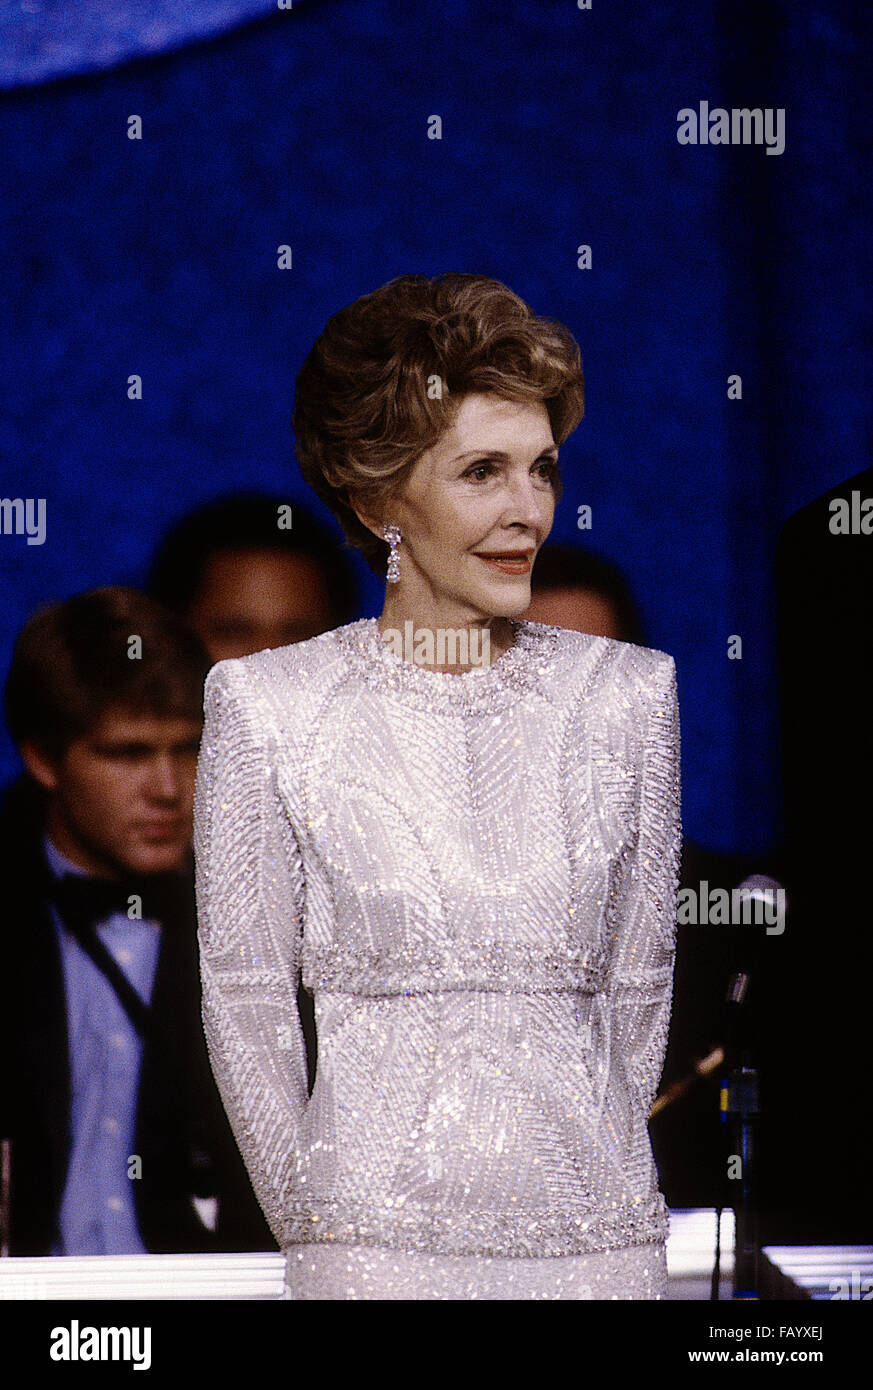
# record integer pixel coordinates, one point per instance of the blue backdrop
(308, 127)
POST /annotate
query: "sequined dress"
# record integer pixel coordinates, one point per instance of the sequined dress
(476, 875)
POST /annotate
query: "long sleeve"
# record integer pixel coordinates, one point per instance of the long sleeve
(644, 929)
(249, 906)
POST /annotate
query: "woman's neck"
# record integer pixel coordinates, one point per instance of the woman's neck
(452, 650)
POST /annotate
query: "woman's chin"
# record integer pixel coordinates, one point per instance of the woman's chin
(507, 600)
(513, 606)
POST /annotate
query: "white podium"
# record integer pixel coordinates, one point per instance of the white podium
(258, 1276)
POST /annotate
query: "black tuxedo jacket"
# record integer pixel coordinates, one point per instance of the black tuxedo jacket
(182, 1135)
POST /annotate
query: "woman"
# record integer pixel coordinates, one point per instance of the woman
(472, 862)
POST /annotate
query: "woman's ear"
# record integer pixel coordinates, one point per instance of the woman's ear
(366, 518)
(370, 524)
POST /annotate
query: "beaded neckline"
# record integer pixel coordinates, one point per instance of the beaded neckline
(520, 666)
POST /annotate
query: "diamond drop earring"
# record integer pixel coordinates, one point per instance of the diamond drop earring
(393, 537)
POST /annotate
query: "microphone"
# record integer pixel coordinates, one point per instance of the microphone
(769, 899)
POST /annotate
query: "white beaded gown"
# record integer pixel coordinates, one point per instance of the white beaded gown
(476, 877)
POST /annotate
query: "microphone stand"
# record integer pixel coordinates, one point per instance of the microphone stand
(740, 1101)
(5, 1197)
(739, 1107)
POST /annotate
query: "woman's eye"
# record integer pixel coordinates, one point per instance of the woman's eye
(548, 469)
(479, 468)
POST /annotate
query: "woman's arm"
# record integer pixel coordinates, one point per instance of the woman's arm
(644, 937)
(249, 907)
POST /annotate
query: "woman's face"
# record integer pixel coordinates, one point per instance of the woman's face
(484, 488)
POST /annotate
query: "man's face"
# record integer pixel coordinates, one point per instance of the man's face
(121, 797)
(253, 599)
(584, 610)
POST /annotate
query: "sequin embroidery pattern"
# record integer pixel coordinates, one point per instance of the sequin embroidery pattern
(475, 876)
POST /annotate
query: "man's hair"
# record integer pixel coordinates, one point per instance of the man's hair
(386, 377)
(248, 521)
(566, 567)
(74, 660)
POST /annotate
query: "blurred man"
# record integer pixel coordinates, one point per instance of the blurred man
(578, 589)
(119, 1142)
(248, 572)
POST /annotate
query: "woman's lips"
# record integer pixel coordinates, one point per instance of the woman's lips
(519, 565)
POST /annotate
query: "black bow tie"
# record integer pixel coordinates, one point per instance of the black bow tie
(83, 901)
